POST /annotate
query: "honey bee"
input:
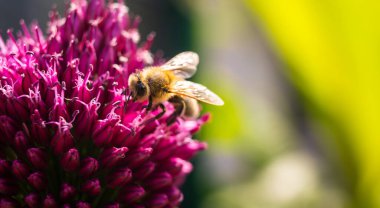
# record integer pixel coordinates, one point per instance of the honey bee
(167, 83)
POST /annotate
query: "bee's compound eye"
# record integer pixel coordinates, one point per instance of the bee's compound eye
(140, 89)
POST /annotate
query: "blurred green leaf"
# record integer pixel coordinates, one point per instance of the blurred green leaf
(333, 48)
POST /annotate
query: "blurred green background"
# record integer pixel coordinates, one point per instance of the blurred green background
(300, 79)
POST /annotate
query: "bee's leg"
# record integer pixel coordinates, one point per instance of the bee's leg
(162, 112)
(179, 105)
(150, 104)
(157, 116)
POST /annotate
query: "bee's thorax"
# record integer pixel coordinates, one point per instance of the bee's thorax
(159, 82)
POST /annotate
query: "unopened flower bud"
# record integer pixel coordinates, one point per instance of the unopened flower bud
(49, 202)
(139, 156)
(67, 191)
(62, 141)
(188, 150)
(92, 187)
(21, 142)
(37, 157)
(177, 166)
(132, 193)
(32, 200)
(37, 180)
(88, 167)
(144, 170)
(158, 201)
(175, 196)
(20, 169)
(70, 160)
(159, 180)
(103, 131)
(111, 156)
(119, 177)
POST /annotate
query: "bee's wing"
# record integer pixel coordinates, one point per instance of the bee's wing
(196, 91)
(183, 65)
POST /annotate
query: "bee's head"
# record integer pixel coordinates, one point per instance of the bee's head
(139, 89)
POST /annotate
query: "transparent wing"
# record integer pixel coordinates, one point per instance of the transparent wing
(183, 65)
(196, 91)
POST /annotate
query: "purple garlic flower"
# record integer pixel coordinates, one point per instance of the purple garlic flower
(68, 137)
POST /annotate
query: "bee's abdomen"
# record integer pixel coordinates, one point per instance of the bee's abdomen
(192, 109)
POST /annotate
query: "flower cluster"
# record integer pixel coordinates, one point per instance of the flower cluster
(69, 137)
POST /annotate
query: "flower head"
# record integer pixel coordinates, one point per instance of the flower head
(69, 136)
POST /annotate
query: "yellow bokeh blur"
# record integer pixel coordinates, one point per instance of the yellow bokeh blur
(329, 51)
(333, 48)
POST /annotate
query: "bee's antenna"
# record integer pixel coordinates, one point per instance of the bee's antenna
(129, 96)
(127, 100)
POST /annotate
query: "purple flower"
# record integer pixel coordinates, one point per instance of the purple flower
(68, 137)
